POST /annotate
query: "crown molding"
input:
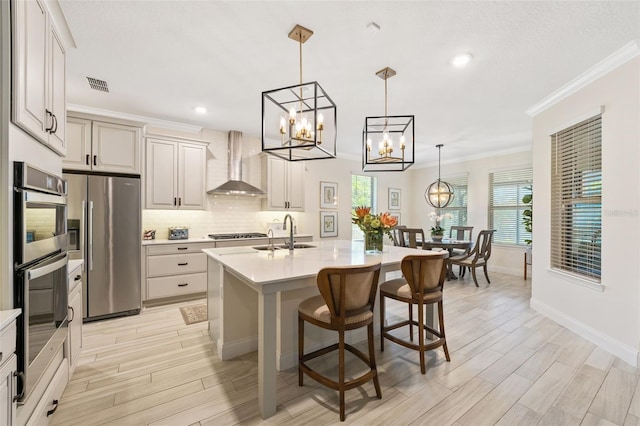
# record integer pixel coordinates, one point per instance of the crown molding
(611, 62)
(154, 122)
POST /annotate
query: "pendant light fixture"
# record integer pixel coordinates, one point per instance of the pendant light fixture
(299, 121)
(387, 141)
(439, 194)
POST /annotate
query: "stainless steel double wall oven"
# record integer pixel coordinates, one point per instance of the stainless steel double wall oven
(40, 265)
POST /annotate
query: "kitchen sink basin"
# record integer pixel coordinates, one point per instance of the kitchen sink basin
(265, 248)
(296, 246)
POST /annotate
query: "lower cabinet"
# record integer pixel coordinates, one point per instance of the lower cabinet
(74, 337)
(8, 391)
(48, 404)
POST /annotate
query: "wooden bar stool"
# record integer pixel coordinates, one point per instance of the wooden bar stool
(347, 296)
(421, 285)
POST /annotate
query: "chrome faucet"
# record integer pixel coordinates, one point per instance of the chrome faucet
(284, 228)
(270, 243)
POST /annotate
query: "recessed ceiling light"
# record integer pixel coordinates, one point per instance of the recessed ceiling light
(200, 109)
(461, 60)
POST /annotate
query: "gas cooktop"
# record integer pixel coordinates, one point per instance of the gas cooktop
(237, 235)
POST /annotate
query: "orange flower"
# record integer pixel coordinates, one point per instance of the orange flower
(388, 221)
(361, 212)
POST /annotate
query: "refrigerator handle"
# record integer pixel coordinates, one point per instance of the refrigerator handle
(90, 239)
(83, 224)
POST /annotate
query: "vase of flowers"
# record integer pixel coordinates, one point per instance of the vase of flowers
(374, 226)
(437, 231)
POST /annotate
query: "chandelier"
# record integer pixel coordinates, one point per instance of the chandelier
(379, 154)
(299, 121)
(439, 194)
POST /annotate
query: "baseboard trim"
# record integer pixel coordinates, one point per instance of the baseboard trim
(234, 349)
(617, 348)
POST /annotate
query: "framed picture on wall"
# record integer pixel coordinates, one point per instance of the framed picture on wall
(328, 224)
(397, 216)
(394, 199)
(328, 195)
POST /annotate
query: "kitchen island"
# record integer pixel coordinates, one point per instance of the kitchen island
(253, 298)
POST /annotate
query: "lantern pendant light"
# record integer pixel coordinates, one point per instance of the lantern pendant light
(439, 194)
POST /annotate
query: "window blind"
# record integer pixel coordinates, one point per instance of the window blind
(576, 191)
(505, 205)
(364, 190)
(457, 208)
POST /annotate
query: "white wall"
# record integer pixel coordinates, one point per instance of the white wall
(610, 317)
(506, 259)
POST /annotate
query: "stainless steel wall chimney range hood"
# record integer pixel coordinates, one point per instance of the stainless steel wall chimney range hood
(234, 185)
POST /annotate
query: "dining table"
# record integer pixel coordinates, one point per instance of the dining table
(448, 244)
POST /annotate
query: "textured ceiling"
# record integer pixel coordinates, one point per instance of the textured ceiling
(163, 58)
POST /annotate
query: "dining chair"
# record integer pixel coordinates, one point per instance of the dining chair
(421, 285)
(397, 235)
(409, 237)
(346, 302)
(461, 233)
(478, 256)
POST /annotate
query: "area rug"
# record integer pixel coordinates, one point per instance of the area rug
(194, 314)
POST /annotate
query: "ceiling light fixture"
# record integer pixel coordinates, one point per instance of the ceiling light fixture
(439, 194)
(306, 115)
(382, 131)
(461, 60)
(200, 110)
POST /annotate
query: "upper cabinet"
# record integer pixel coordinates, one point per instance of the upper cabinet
(285, 185)
(175, 174)
(39, 72)
(103, 147)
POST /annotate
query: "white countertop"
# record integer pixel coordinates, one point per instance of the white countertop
(264, 267)
(206, 239)
(7, 316)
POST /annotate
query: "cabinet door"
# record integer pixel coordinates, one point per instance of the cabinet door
(57, 92)
(115, 148)
(7, 391)
(295, 185)
(276, 183)
(75, 327)
(161, 174)
(192, 169)
(30, 68)
(78, 139)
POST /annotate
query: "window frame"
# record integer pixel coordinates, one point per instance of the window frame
(356, 233)
(522, 179)
(460, 183)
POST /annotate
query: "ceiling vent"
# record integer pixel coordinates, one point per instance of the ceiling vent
(97, 84)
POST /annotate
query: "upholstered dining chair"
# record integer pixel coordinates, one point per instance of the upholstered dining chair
(478, 256)
(347, 297)
(421, 285)
(409, 237)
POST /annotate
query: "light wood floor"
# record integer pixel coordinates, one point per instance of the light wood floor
(509, 366)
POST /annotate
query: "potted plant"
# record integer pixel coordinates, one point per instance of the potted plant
(437, 231)
(374, 226)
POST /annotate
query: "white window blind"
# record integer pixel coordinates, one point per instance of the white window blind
(576, 191)
(458, 208)
(505, 205)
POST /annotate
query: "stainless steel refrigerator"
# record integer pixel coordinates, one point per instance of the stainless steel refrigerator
(107, 209)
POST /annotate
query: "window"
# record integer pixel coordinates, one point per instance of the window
(363, 193)
(576, 191)
(505, 205)
(458, 208)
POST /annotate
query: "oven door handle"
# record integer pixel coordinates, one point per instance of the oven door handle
(32, 196)
(90, 239)
(47, 269)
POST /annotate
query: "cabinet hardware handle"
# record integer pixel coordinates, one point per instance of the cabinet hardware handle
(73, 313)
(183, 248)
(55, 123)
(179, 201)
(49, 114)
(1, 356)
(55, 407)
(175, 201)
(95, 160)
(87, 159)
(78, 277)
(183, 264)
(19, 375)
(183, 285)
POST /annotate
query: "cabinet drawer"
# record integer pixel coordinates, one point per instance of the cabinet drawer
(51, 397)
(179, 248)
(172, 264)
(7, 342)
(175, 286)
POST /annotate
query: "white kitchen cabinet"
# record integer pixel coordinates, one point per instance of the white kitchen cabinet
(48, 404)
(8, 367)
(73, 345)
(175, 174)
(103, 146)
(285, 185)
(39, 74)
